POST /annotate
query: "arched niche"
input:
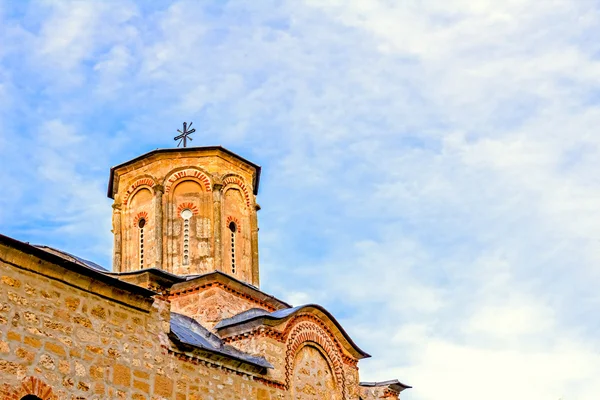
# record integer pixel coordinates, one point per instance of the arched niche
(236, 234)
(312, 376)
(189, 226)
(304, 331)
(139, 230)
(30, 397)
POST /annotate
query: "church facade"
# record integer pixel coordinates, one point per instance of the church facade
(181, 314)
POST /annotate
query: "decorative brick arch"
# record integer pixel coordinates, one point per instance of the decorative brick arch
(304, 333)
(33, 386)
(140, 215)
(234, 180)
(193, 173)
(190, 206)
(148, 182)
(234, 220)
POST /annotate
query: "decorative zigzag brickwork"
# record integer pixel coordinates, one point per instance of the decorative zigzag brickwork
(140, 215)
(34, 386)
(192, 173)
(234, 220)
(305, 332)
(189, 205)
(134, 186)
(234, 180)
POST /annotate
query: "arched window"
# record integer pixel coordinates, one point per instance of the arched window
(186, 214)
(233, 229)
(141, 224)
(30, 397)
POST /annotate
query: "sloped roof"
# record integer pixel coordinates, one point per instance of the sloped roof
(257, 314)
(188, 331)
(72, 258)
(393, 384)
(75, 264)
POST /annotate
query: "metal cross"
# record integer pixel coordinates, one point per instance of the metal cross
(184, 135)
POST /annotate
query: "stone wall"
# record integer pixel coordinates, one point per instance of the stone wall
(313, 378)
(61, 341)
(378, 393)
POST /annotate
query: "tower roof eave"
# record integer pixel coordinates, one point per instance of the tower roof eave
(110, 193)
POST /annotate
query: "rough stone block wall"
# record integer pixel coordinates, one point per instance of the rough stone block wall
(270, 347)
(78, 345)
(313, 379)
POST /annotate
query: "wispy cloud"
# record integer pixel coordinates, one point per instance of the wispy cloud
(429, 168)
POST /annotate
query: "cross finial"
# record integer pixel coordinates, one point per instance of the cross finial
(184, 135)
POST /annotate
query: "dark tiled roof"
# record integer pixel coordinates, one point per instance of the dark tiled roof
(72, 258)
(255, 314)
(190, 332)
(393, 384)
(242, 317)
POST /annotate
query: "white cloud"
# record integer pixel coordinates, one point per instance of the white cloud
(74, 30)
(430, 168)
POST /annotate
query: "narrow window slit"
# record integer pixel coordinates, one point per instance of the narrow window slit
(186, 215)
(141, 225)
(233, 229)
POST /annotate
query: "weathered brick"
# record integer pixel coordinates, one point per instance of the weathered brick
(97, 371)
(99, 312)
(13, 336)
(142, 386)
(26, 355)
(4, 348)
(163, 386)
(141, 374)
(32, 341)
(7, 280)
(55, 348)
(121, 375)
(72, 303)
(94, 349)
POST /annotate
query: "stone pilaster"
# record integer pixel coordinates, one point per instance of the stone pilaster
(218, 225)
(118, 247)
(158, 224)
(254, 245)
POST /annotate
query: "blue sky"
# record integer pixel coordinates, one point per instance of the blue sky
(429, 168)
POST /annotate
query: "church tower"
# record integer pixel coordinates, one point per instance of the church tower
(187, 211)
